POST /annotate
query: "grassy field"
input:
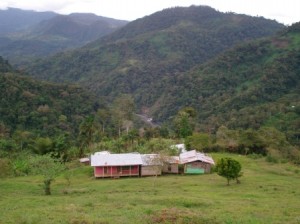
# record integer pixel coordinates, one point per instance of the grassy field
(269, 193)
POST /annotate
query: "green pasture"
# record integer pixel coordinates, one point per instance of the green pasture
(268, 193)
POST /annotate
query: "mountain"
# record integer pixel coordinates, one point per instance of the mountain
(15, 20)
(80, 28)
(54, 34)
(43, 108)
(145, 57)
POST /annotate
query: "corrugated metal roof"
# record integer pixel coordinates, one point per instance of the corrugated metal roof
(102, 152)
(193, 155)
(188, 156)
(151, 160)
(205, 158)
(116, 159)
(84, 160)
(171, 159)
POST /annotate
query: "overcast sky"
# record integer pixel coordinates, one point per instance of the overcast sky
(284, 11)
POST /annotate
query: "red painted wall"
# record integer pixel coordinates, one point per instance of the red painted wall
(114, 171)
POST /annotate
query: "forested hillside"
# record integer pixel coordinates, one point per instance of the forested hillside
(252, 85)
(41, 108)
(221, 81)
(142, 57)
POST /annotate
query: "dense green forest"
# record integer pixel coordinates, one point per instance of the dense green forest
(141, 58)
(241, 100)
(68, 122)
(167, 62)
(252, 85)
(32, 110)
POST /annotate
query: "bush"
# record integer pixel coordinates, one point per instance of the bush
(229, 168)
(20, 167)
(5, 167)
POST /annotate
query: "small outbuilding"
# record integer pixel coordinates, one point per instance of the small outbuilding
(116, 165)
(152, 165)
(171, 164)
(85, 161)
(195, 162)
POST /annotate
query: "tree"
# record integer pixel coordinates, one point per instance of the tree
(103, 116)
(229, 168)
(49, 168)
(60, 148)
(227, 139)
(251, 142)
(87, 129)
(22, 138)
(184, 122)
(122, 110)
(132, 135)
(198, 141)
(43, 145)
(4, 131)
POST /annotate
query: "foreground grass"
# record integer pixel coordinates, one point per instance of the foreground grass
(269, 193)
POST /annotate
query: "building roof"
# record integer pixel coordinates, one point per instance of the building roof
(116, 159)
(171, 159)
(84, 160)
(193, 155)
(102, 152)
(151, 160)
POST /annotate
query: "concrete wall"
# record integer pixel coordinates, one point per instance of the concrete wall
(151, 170)
(170, 168)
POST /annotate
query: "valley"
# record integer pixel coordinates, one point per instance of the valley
(221, 83)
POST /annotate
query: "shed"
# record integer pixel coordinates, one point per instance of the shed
(116, 165)
(171, 164)
(152, 165)
(85, 160)
(195, 162)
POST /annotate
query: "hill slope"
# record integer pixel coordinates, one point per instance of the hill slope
(147, 54)
(254, 84)
(43, 108)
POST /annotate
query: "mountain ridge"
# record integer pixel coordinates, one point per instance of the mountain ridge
(139, 61)
(14, 19)
(51, 34)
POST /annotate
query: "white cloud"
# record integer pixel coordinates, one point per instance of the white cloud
(285, 11)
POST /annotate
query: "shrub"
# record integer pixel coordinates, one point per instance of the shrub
(5, 167)
(229, 168)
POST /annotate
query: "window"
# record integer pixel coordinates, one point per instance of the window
(126, 168)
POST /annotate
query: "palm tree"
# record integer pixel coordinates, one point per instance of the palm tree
(87, 129)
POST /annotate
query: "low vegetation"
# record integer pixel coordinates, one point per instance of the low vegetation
(268, 194)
